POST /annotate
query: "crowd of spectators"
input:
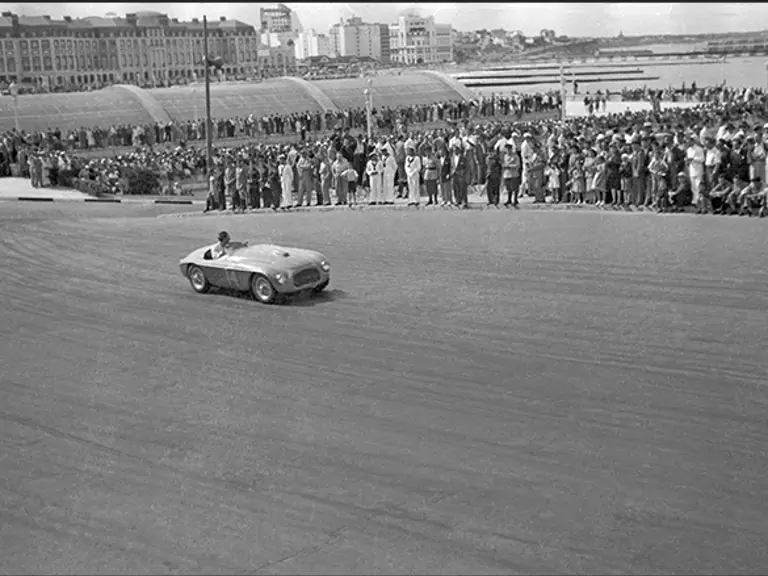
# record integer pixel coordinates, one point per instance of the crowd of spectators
(300, 124)
(711, 155)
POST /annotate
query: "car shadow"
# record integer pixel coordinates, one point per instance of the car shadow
(303, 299)
(311, 299)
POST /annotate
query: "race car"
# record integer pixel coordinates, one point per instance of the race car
(267, 271)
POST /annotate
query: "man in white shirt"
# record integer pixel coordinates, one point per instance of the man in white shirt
(695, 156)
(712, 160)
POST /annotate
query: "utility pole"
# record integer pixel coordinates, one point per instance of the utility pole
(14, 90)
(722, 70)
(563, 90)
(368, 93)
(208, 127)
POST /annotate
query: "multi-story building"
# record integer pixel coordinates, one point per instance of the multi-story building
(279, 19)
(414, 40)
(444, 42)
(309, 44)
(145, 48)
(386, 51)
(356, 38)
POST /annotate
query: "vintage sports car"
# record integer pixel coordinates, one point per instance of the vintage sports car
(268, 272)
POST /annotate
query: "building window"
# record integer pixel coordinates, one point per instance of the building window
(9, 45)
(25, 65)
(23, 46)
(2, 65)
(47, 63)
(58, 62)
(35, 45)
(130, 60)
(11, 65)
(46, 45)
(71, 62)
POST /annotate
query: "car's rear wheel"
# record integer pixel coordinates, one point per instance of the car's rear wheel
(319, 288)
(198, 280)
(262, 289)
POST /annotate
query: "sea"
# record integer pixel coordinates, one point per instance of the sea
(600, 74)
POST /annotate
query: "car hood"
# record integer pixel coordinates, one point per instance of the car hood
(278, 256)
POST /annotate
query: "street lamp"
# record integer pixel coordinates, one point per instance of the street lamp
(563, 91)
(14, 90)
(368, 93)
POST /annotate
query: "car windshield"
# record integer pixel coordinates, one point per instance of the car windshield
(234, 246)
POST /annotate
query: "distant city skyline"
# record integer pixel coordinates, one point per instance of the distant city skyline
(604, 19)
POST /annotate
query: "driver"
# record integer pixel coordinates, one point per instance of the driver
(225, 246)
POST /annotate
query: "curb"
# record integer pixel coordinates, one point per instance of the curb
(99, 200)
(474, 207)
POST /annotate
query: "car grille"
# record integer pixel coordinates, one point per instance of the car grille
(306, 276)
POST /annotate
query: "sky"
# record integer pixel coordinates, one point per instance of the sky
(577, 19)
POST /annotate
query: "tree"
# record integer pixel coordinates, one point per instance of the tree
(217, 62)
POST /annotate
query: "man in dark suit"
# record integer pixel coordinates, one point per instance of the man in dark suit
(459, 176)
(444, 177)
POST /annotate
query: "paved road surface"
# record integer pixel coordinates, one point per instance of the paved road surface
(478, 392)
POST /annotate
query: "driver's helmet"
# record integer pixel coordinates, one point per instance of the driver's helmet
(223, 236)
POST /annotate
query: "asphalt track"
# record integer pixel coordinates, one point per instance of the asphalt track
(478, 392)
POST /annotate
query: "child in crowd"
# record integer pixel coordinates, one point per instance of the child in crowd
(577, 182)
(599, 181)
(625, 173)
(552, 173)
(351, 176)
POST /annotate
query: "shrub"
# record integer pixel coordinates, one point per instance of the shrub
(67, 178)
(142, 181)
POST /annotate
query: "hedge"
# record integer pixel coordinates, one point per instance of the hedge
(135, 181)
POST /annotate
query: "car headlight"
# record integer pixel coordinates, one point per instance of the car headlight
(281, 277)
(325, 265)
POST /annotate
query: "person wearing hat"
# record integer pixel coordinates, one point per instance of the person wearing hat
(389, 166)
(374, 169)
(412, 175)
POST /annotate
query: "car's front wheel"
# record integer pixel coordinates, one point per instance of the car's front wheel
(262, 289)
(198, 280)
(320, 287)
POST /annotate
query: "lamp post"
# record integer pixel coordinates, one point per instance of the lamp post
(722, 70)
(563, 91)
(368, 93)
(14, 90)
(208, 129)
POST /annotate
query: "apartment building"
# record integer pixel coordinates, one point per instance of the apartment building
(145, 48)
(356, 38)
(418, 40)
(279, 18)
(310, 44)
